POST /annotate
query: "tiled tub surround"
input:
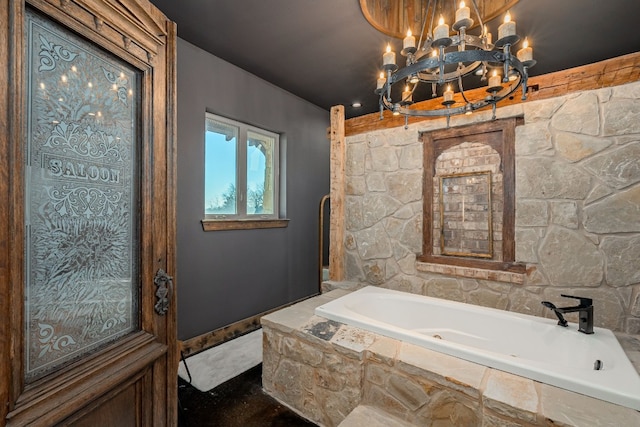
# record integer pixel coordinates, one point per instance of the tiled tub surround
(577, 197)
(324, 369)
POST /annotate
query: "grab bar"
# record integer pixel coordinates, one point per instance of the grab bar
(321, 215)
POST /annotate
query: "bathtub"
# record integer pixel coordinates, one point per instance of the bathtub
(529, 346)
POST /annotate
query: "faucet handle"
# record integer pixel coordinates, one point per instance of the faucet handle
(586, 302)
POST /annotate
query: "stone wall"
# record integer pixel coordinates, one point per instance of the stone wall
(577, 209)
(310, 364)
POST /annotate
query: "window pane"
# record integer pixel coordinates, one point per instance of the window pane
(220, 184)
(260, 174)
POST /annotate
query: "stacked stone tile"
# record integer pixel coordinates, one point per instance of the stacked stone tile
(577, 209)
(324, 370)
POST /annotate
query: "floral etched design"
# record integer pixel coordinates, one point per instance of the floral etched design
(50, 341)
(51, 53)
(83, 201)
(119, 83)
(71, 137)
(120, 317)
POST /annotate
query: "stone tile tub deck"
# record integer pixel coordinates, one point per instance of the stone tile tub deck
(324, 370)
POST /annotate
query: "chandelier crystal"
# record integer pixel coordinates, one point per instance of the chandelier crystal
(446, 60)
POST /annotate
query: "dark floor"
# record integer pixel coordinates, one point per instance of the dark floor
(239, 402)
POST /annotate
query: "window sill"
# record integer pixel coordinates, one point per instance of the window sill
(509, 272)
(242, 224)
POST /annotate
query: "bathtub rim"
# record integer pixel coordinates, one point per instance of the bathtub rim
(517, 366)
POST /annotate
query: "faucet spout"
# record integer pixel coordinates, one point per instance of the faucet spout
(585, 310)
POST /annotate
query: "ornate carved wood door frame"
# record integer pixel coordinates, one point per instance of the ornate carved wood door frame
(130, 380)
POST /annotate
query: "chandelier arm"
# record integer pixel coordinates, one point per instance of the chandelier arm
(475, 7)
(474, 57)
(432, 5)
(462, 89)
(524, 87)
(499, 96)
(405, 111)
(412, 69)
(423, 23)
(507, 60)
(470, 40)
(441, 63)
(490, 100)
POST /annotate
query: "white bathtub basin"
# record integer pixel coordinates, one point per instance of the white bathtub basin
(528, 346)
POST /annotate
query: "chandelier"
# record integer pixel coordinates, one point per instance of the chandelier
(446, 60)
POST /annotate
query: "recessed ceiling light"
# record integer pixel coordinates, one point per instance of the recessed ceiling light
(356, 105)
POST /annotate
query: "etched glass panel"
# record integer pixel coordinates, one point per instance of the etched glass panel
(81, 198)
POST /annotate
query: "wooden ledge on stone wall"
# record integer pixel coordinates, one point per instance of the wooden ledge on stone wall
(515, 276)
(242, 224)
(607, 73)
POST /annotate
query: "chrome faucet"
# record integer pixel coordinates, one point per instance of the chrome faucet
(584, 309)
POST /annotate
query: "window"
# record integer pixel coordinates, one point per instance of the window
(469, 199)
(241, 171)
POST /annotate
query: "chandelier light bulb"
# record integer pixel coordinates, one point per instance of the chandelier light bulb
(406, 95)
(448, 94)
(441, 31)
(389, 57)
(380, 82)
(494, 80)
(408, 42)
(487, 34)
(508, 27)
(526, 53)
(463, 14)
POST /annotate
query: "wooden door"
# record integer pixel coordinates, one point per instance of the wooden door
(87, 215)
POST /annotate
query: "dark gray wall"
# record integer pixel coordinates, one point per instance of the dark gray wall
(226, 276)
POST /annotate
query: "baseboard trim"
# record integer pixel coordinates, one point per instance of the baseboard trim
(221, 335)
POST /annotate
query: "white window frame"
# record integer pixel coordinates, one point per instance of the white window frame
(241, 172)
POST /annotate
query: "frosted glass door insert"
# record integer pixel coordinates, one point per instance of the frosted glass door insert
(81, 198)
